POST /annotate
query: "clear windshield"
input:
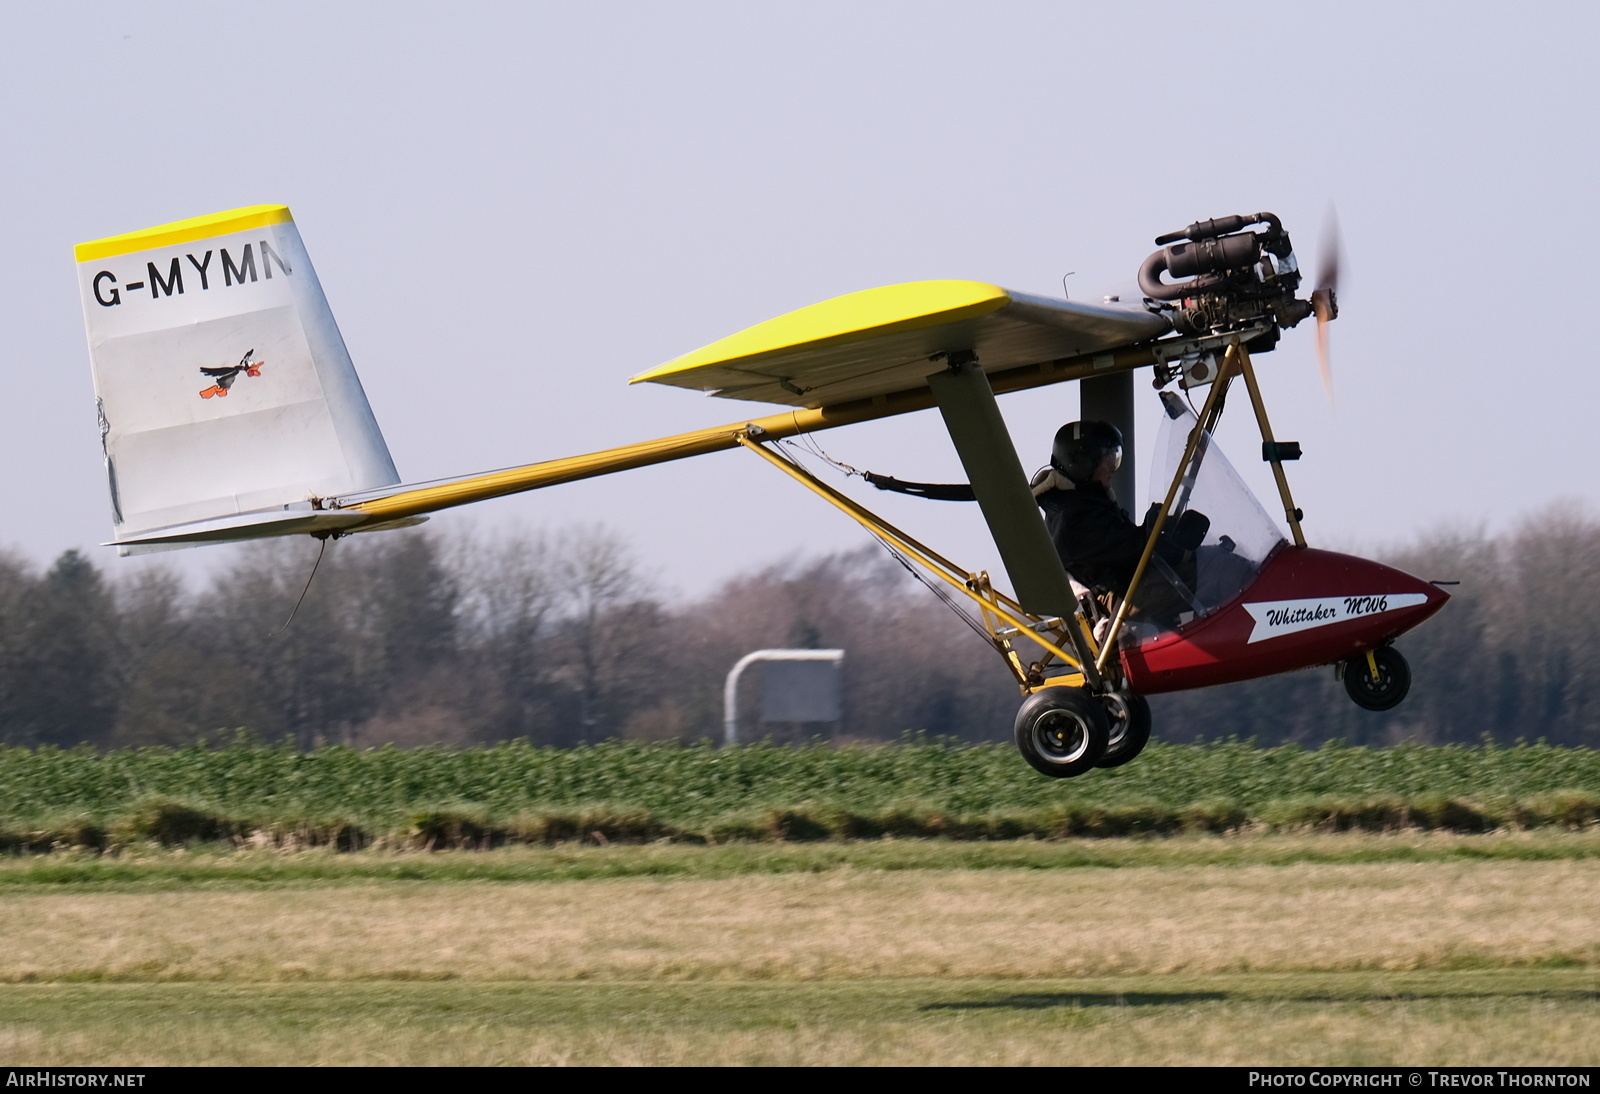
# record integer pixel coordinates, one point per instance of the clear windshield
(1240, 537)
(1211, 487)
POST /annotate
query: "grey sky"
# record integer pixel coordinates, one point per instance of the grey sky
(514, 207)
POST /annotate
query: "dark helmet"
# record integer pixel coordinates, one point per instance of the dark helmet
(1081, 446)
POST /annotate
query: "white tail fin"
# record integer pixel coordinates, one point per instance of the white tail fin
(224, 388)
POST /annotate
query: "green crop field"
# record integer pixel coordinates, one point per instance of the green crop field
(631, 792)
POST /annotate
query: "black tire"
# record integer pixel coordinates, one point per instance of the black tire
(1384, 693)
(1128, 715)
(1062, 731)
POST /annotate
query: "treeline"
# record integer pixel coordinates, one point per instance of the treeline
(561, 639)
(415, 638)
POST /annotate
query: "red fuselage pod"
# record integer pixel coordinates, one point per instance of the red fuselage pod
(1306, 607)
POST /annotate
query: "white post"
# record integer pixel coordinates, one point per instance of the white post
(730, 688)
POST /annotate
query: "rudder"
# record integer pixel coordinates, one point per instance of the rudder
(228, 404)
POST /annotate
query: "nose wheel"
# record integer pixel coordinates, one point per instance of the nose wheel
(1062, 731)
(1378, 679)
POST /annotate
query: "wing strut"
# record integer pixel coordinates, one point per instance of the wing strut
(982, 441)
(1005, 619)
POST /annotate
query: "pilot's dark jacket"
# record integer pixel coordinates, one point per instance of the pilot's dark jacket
(1098, 542)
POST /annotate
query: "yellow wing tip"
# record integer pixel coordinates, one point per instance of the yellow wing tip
(183, 231)
(843, 318)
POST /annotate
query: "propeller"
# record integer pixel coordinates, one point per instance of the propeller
(1324, 298)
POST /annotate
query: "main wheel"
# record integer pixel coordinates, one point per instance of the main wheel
(1062, 731)
(1129, 717)
(1386, 690)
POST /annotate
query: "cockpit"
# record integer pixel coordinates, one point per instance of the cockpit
(1219, 535)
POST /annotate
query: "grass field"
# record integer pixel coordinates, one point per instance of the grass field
(150, 867)
(1544, 1017)
(1425, 948)
(663, 904)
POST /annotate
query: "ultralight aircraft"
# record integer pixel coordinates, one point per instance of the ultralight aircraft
(229, 409)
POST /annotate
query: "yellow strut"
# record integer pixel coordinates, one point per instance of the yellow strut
(1290, 513)
(940, 567)
(1218, 387)
(494, 484)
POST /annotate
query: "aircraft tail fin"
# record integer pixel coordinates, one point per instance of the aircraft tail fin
(228, 403)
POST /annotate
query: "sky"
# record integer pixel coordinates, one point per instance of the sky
(515, 207)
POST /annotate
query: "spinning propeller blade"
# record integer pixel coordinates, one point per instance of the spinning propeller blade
(1324, 299)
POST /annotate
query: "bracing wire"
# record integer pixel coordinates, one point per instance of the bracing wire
(815, 449)
(943, 594)
(922, 579)
(296, 609)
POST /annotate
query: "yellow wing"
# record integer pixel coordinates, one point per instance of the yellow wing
(881, 341)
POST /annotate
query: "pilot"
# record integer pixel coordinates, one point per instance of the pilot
(1098, 542)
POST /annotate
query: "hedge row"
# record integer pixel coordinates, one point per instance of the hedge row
(174, 824)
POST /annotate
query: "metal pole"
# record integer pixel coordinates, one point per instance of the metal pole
(1110, 399)
(730, 687)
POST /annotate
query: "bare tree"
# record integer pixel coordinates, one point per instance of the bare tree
(559, 637)
(510, 592)
(610, 628)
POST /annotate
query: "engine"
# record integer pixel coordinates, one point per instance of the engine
(1231, 273)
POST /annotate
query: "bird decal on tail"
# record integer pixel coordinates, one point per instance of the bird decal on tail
(225, 376)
